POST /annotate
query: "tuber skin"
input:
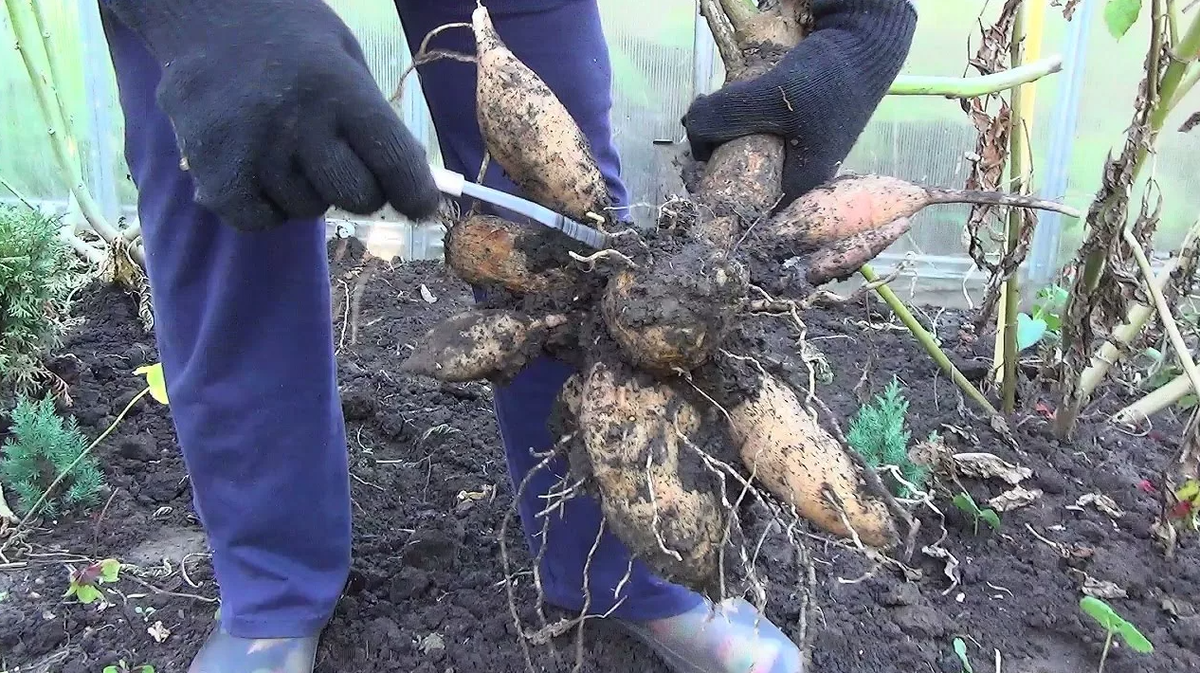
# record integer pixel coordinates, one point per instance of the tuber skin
(530, 133)
(674, 314)
(849, 205)
(785, 448)
(842, 259)
(627, 419)
(481, 344)
(527, 259)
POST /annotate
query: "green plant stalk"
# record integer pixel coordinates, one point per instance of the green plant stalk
(925, 338)
(1107, 648)
(43, 88)
(971, 87)
(1016, 171)
(78, 459)
(1185, 86)
(54, 59)
(1111, 352)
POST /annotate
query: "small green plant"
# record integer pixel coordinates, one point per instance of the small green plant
(964, 502)
(878, 434)
(86, 581)
(35, 282)
(41, 446)
(122, 667)
(1114, 624)
(960, 649)
(1044, 322)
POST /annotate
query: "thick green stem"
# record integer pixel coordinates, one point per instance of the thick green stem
(43, 88)
(54, 59)
(927, 340)
(971, 87)
(1016, 218)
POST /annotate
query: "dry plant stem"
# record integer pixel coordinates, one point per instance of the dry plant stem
(1164, 311)
(1155, 401)
(44, 88)
(926, 340)
(1113, 350)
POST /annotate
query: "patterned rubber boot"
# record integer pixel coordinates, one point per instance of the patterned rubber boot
(728, 638)
(223, 653)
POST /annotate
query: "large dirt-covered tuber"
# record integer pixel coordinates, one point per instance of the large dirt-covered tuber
(633, 429)
(482, 344)
(525, 258)
(783, 446)
(530, 133)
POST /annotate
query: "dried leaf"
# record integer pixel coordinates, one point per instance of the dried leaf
(427, 294)
(1015, 498)
(990, 466)
(158, 632)
(951, 570)
(1095, 588)
(1101, 502)
(1068, 8)
(1190, 123)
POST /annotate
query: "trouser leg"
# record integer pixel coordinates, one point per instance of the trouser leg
(243, 327)
(565, 46)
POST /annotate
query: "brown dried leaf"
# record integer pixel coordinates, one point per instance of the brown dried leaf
(1101, 502)
(1097, 304)
(990, 466)
(1069, 7)
(1190, 123)
(1091, 586)
(951, 569)
(1015, 498)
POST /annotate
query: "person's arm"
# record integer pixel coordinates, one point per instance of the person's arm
(276, 114)
(820, 96)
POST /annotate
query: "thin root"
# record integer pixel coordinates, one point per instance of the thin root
(591, 260)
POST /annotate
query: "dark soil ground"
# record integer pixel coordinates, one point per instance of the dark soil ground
(427, 590)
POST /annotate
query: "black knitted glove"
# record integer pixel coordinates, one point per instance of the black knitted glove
(275, 112)
(820, 96)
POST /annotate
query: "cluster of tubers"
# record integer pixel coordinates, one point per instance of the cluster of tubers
(661, 395)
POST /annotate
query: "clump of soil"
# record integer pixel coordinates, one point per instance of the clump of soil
(430, 491)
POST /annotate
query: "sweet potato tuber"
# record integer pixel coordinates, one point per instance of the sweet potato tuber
(530, 133)
(852, 204)
(527, 259)
(632, 427)
(841, 259)
(785, 448)
(481, 344)
(674, 313)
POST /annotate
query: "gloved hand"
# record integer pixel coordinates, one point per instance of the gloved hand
(275, 112)
(820, 96)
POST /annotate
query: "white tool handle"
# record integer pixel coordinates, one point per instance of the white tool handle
(448, 182)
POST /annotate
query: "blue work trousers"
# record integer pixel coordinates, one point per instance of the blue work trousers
(245, 336)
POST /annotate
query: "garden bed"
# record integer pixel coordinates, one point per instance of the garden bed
(430, 491)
